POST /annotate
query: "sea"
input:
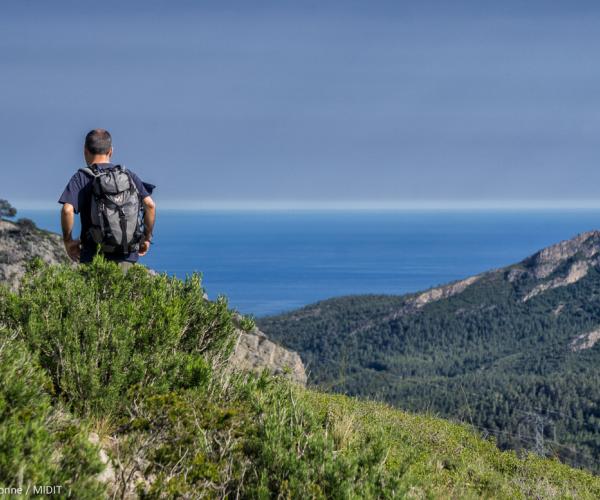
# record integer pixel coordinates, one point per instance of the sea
(268, 262)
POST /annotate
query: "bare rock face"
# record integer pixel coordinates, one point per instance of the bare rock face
(19, 244)
(585, 341)
(576, 272)
(443, 292)
(420, 300)
(255, 352)
(578, 255)
(546, 261)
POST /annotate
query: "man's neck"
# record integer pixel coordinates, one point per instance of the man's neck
(95, 160)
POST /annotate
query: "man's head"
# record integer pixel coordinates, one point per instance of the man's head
(98, 146)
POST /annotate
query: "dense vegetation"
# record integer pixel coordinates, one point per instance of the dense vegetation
(484, 357)
(140, 360)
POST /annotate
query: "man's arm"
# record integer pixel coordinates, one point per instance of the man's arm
(149, 218)
(67, 221)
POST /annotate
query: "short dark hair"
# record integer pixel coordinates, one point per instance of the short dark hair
(98, 141)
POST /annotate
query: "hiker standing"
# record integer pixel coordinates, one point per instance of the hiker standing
(115, 208)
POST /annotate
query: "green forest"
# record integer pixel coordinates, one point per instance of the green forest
(484, 357)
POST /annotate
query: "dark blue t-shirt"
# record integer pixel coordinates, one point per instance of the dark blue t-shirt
(79, 194)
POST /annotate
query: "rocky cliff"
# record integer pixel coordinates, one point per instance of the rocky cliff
(255, 352)
(20, 242)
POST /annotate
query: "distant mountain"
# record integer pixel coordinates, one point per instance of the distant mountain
(514, 351)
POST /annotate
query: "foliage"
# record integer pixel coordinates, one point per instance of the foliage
(297, 452)
(6, 209)
(262, 437)
(188, 441)
(27, 225)
(39, 445)
(484, 357)
(430, 457)
(101, 334)
(247, 323)
(257, 438)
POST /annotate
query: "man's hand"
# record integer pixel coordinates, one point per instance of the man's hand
(73, 249)
(144, 247)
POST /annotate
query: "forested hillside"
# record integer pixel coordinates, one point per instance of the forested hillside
(512, 351)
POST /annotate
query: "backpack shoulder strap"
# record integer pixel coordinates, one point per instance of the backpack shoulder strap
(132, 184)
(88, 171)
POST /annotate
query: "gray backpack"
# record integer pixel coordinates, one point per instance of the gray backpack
(117, 211)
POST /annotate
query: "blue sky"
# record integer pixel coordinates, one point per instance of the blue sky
(307, 103)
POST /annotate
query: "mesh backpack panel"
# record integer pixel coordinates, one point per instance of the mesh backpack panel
(116, 210)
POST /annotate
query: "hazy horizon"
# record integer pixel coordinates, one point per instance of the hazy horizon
(294, 205)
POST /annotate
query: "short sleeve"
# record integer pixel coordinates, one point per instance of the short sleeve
(73, 191)
(143, 188)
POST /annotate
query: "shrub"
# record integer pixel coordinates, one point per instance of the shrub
(256, 438)
(298, 453)
(102, 334)
(39, 445)
(188, 442)
(27, 225)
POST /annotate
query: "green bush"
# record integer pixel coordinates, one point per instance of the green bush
(188, 442)
(298, 453)
(254, 438)
(102, 334)
(39, 445)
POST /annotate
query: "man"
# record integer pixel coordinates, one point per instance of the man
(78, 198)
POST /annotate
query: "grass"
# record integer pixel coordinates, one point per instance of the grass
(444, 459)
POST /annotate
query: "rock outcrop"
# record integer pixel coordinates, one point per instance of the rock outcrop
(255, 352)
(19, 243)
(559, 265)
(585, 341)
(577, 271)
(414, 303)
(546, 261)
(442, 292)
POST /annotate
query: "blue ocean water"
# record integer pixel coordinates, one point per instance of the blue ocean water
(269, 262)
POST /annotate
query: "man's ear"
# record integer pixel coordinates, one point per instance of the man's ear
(110, 152)
(86, 155)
